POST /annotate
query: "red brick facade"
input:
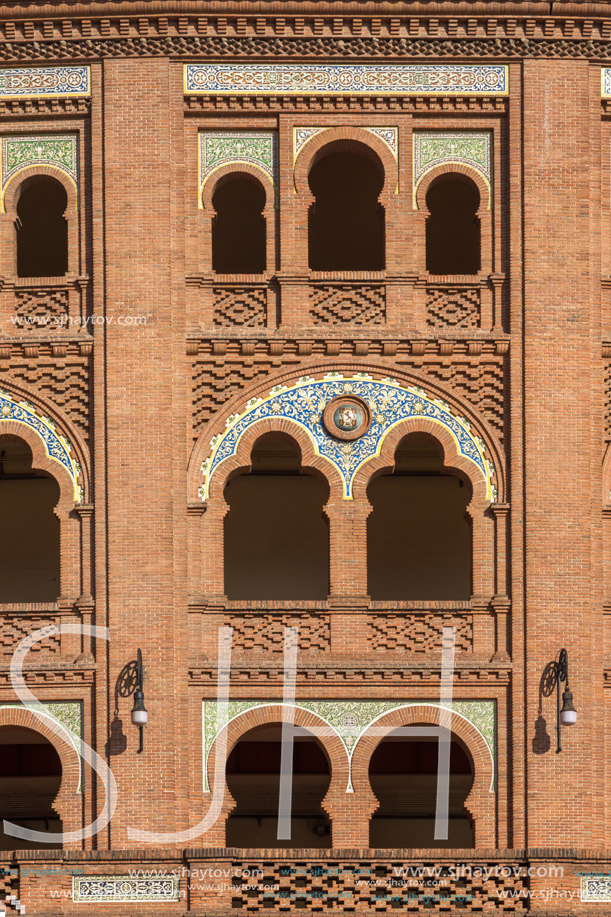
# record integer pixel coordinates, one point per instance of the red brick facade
(171, 350)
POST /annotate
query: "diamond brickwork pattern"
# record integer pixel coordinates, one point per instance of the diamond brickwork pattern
(373, 887)
(453, 307)
(358, 304)
(419, 633)
(13, 630)
(240, 306)
(39, 309)
(265, 632)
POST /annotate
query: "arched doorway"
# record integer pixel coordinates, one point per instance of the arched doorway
(253, 778)
(30, 779)
(403, 777)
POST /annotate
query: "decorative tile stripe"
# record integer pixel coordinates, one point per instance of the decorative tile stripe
(44, 82)
(57, 446)
(606, 82)
(304, 403)
(389, 135)
(596, 888)
(57, 150)
(435, 148)
(258, 149)
(350, 720)
(124, 889)
(346, 79)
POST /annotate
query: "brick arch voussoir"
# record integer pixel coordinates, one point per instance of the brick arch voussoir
(70, 764)
(453, 168)
(11, 430)
(454, 462)
(237, 168)
(240, 463)
(312, 150)
(272, 715)
(15, 186)
(480, 800)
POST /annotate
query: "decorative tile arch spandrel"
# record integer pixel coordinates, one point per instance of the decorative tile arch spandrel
(437, 148)
(257, 149)
(388, 403)
(18, 153)
(57, 447)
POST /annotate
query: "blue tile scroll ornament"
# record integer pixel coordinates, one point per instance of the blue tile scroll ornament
(44, 82)
(389, 403)
(57, 447)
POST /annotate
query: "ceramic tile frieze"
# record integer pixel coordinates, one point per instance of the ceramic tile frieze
(44, 82)
(236, 78)
(124, 889)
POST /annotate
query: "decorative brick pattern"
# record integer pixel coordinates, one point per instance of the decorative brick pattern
(64, 382)
(607, 372)
(318, 887)
(240, 306)
(340, 303)
(41, 309)
(481, 383)
(453, 307)
(419, 633)
(9, 892)
(13, 629)
(265, 632)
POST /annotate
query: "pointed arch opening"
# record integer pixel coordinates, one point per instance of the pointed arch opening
(276, 543)
(419, 539)
(253, 779)
(30, 537)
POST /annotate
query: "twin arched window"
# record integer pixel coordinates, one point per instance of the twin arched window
(276, 542)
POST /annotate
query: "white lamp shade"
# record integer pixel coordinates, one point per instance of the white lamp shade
(139, 717)
(568, 717)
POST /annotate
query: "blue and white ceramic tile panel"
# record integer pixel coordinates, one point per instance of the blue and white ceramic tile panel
(349, 720)
(388, 135)
(436, 148)
(596, 889)
(345, 79)
(44, 82)
(56, 446)
(124, 889)
(304, 401)
(22, 152)
(605, 82)
(255, 148)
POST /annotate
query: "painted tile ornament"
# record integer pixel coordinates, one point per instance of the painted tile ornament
(605, 80)
(255, 148)
(387, 403)
(56, 446)
(469, 148)
(346, 79)
(349, 720)
(596, 888)
(19, 153)
(44, 82)
(124, 889)
(389, 135)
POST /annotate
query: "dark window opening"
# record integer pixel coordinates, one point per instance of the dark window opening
(30, 778)
(418, 535)
(346, 221)
(453, 243)
(30, 534)
(403, 776)
(238, 228)
(42, 230)
(253, 779)
(276, 536)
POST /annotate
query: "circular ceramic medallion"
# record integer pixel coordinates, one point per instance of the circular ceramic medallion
(347, 417)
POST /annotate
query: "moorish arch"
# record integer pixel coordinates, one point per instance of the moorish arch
(305, 408)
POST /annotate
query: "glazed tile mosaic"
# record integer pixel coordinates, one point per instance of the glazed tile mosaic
(389, 403)
(606, 82)
(255, 148)
(44, 82)
(389, 135)
(349, 720)
(57, 150)
(434, 148)
(57, 447)
(596, 888)
(346, 79)
(124, 889)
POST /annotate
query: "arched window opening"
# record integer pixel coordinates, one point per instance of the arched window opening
(30, 536)
(253, 778)
(276, 536)
(403, 776)
(346, 221)
(42, 230)
(238, 228)
(418, 535)
(453, 232)
(30, 778)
